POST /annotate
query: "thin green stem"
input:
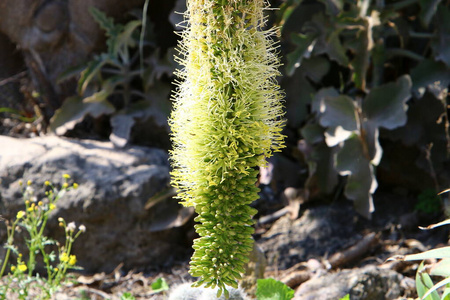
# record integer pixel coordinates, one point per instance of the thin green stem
(10, 244)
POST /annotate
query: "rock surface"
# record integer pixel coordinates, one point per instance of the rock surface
(320, 230)
(114, 186)
(368, 283)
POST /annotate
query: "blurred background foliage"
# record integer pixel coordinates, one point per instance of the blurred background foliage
(366, 85)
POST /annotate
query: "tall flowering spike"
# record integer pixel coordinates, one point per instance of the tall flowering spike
(227, 120)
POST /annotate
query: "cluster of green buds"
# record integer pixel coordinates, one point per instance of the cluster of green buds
(227, 120)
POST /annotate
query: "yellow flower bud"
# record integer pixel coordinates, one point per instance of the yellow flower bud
(64, 257)
(72, 260)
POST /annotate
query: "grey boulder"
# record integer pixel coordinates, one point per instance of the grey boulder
(114, 186)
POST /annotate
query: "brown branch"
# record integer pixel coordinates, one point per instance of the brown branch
(359, 249)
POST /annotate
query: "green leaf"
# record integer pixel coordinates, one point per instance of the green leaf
(305, 45)
(160, 285)
(103, 20)
(428, 10)
(436, 287)
(446, 294)
(335, 50)
(315, 68)
(339, 115)
(432, 76)
(317, 106)
(424, 284)
(322, 173)
(370, 132)
(271, 289)
(93, 69)
(328, 40)
(17, 114)
(74, 109)
(286, 9)
(351, 160)
(298, 99)
(339, 111)
(312, 133)
(443, 252)
(346, 297)
(442, 268)
(386, 104)
(361, 61)
(157, 68)
(333, 6)
(70, 73)
(440, 45)
(124, 38)
(127, 296)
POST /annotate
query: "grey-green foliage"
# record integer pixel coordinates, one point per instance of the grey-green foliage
(116, 83)
(348, 62)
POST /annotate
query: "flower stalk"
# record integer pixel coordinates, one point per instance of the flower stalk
(227, 120)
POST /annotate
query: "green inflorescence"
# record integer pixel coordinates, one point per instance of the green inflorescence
(227, 120)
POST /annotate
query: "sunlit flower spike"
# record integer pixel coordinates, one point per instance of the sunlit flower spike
(227, 120)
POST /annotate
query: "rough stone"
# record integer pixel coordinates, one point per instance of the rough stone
(114, 186)
(320, 230)
(368, 283)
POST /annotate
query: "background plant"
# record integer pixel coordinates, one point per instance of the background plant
(121, 83)
(356, 67)
(33, 220)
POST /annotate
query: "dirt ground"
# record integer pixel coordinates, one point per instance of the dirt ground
(345, 241)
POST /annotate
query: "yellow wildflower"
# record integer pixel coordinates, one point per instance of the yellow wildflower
(64, 257)
(20, 214)
(22, 267)
(72, 260)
